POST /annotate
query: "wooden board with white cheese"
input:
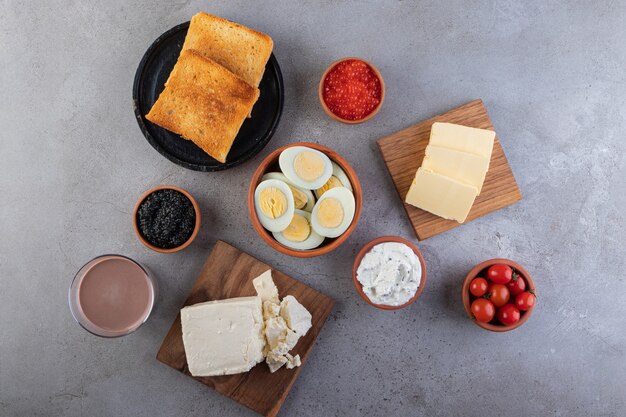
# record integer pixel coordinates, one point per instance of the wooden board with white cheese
(228, 273)
(403, 153)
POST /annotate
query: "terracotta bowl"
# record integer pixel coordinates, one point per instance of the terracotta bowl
(270, 164)
(320, 93)
(367, 248)
(195, 229)
(497, 327)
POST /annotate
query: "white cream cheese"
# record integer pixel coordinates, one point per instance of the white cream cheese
(390, 273)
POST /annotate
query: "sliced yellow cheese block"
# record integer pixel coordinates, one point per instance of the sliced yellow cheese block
(461, 166)
(441, 195)
(462, 138)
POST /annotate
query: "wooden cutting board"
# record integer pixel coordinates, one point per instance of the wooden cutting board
(403, 152)
(228, 273)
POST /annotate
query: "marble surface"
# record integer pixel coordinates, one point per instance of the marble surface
(73, 162)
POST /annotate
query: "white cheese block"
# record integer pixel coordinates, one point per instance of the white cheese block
(296, 315)
(265, 287)
(462, 138)
(440, 195)
(461, 166)
(223, 337)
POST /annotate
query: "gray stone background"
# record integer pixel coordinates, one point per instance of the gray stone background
(73, 162)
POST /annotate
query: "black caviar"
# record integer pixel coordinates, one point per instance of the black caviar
(166, 218)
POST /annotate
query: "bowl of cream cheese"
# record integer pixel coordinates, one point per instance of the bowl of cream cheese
(389, 273)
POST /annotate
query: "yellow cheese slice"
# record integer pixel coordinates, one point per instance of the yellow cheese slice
(441, 195)
(462, 138)
(461, 166)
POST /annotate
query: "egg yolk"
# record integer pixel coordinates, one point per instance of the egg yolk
(331, 183)
(330, 213)
(299, 198)
(308, 165)
(298, 230)
(273, 202)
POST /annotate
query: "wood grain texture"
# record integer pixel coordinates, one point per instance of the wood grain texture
(403, 152)
(228, 273)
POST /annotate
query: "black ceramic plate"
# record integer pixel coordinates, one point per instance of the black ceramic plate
(153, 71)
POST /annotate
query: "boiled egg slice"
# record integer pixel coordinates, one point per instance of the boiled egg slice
(302, 199)
(333, 212)
(299, 234)
(305, 167)
(337, 179)
(273, 202)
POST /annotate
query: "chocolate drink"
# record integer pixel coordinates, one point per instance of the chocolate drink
(112, 296)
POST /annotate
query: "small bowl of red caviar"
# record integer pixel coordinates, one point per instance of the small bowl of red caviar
(351, 90)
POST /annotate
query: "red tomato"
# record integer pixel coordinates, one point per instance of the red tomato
(516, 285)
(508, 314)
(525, 301)
(483, 310)
(498, 294)
(500, 273)
(478, 287)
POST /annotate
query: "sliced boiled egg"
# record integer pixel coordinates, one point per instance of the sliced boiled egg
(337, 179)
(305, 167)
(302, 199)
(299, 234)
(333, 212)
(273, 202)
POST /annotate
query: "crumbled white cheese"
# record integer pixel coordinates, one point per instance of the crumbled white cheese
(270, 309)
(265, 288)
(296, 315)
(293, 361)
(284, 324)
(275, 361)
(275, 331)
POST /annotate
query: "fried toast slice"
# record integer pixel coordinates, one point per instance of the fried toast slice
(204, 102)
(239, 49)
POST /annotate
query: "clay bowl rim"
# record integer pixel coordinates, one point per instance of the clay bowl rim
(196, 228)
(384, 239)
(473, 273)
(357, 191)
(320, 92)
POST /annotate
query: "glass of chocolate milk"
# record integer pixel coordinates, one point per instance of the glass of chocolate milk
(112, 295)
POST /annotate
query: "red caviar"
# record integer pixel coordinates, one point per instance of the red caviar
(352, 90)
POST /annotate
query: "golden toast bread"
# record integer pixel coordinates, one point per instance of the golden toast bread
(204, 102)
(241, 50)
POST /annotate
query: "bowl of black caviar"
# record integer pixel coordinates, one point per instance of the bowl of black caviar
(166, 219)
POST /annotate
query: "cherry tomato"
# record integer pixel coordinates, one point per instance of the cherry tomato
(483, 310)
(498, 294)
(478, 287)
(508, 314)
(516, 285)
(525, 301)
(500, 273)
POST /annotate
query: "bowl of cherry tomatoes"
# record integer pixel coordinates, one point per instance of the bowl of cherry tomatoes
(499, 295)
